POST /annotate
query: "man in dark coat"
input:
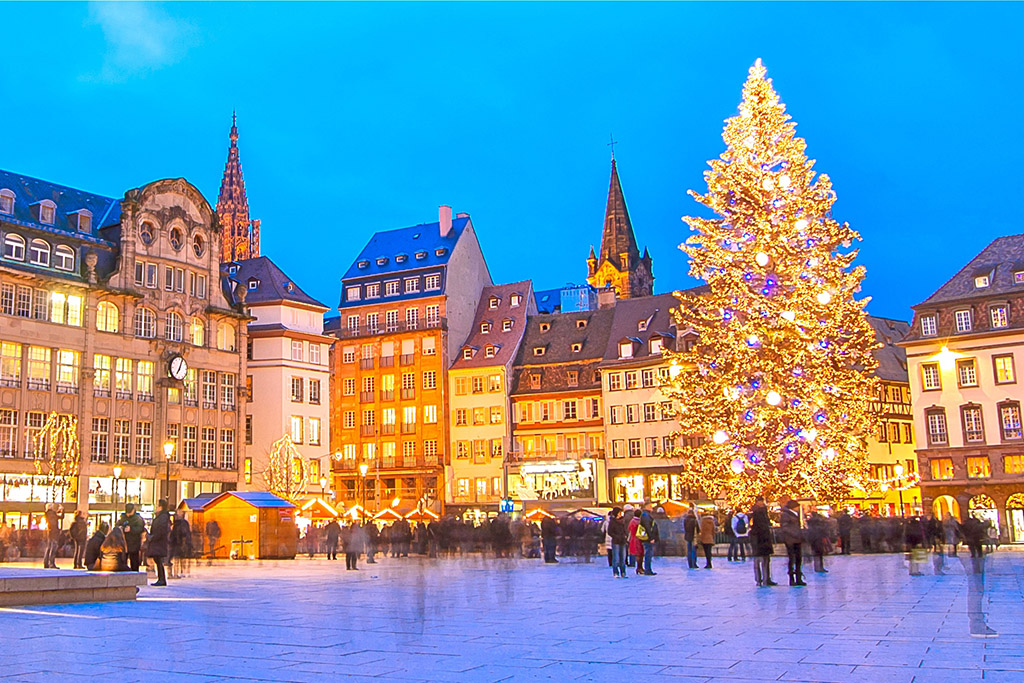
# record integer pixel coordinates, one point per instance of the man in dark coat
(159, 535)
(133, 525)
(973, 532)
(793, 537)
(549, 538)
(54, 514)
(92, 548)
(761, 542)
(845, 528)
(79, 533)
(213, 537)
(333, 530)
(690, 530)
(372, 538)
(354, 544)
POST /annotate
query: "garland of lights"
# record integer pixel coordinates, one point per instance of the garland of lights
(56, 444)
(287, 471)
(900, 483)
(779, 387)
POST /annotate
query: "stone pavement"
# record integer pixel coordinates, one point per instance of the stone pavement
(488, 620)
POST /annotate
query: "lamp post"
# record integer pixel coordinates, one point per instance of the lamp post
(117, 475)
(363, 468)
(323, 487)
(899, 485)
(168, 452)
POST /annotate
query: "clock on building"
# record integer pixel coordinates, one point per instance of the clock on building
(177, 368)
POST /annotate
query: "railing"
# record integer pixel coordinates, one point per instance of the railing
(210, 405)
(407, 358)
(366, 363)
(429, 323)
(408, 428)
(121, 395)
(408, 393)
(65, 388)
(367, 430)
(39, 384)
(387, 361)
(101, 393)
(519, 456)
(399, 462)
(191, 402)
(366, 397)
(388, 395)
(142, 396)
(10, 382)
(386, 429)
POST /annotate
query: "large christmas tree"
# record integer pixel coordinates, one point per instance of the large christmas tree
(775, 396)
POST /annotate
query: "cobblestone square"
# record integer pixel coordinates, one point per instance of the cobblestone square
(475, 619)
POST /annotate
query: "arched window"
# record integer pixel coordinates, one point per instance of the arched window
(226, 337)
(6, 201)
(47, 211)
(145, 323)
(173, 327)
(198, 246)
(107, 317)
(14, 247)
(64, 257)
(146, 233)
(39, 253)
(177, 240)
(198, 331)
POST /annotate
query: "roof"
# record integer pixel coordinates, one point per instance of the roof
(618, 237)
(654, 314)
(506, 343)
(425, 239)
(196, 503)
(273, 284)
(549, 300)
(892, 359)
(999, 260)
(29, 191)
(258, 499)
(563, 330)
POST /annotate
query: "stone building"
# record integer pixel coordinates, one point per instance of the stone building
(240, 235)
(479, 409)
(961, 353)
(408, 303)
(619, 265)
(114, 313)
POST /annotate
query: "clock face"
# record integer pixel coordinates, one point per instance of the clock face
(178, 368)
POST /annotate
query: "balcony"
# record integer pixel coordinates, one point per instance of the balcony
(408, 394)
(407, 358)
(10, 382)
(101, 393)
(367, 430)
(66, 388)
(366, 363)
(515, 457)
(366, 397)
(387, 429)
(395, 328)
(408, 427)
(145, 396)
(387, 395)
(39, 384)
(123, 395)
(387, 361)
(398, 462)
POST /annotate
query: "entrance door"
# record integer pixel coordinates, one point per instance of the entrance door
(1016, 525)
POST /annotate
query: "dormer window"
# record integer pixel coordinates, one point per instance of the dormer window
(64, 258)
(538, 350)
(39, 253)
(420, 255)
(253, 283)
(81, 220)
(577, 347)
(626, 349)
(929, 325)
(657, 346)
(6, 202)
(981, 281)
(467, 353)
(401, 258)
(641, 326)
(963, 320)
(581, 324)
(485, 327)
(535, 381)
(47, 211)
(352, 293)
(544, 327)
(493, 302)
(440, 251)
(1018, 277)
(515, 300)
(506, 325)
(490, 351)
(382, 260)
(363, 264)
(999, 315)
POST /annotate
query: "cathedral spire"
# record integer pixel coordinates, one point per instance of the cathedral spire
(240, 236)
(619, 263)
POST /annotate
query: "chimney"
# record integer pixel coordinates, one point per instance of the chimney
(444, 216)
(606, 297)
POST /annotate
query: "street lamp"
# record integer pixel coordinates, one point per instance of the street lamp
(899, 484)
(117, 475)
(168, 452)
(363, 468)
(323, 487)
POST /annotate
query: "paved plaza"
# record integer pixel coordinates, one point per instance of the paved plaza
(476, 619)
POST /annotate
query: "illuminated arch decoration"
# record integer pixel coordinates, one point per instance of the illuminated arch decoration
(981, 502)
(1015, 502)
(58, 454)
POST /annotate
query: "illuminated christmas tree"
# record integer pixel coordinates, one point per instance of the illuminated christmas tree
(777, 390)
(287, 471)
(56, 445)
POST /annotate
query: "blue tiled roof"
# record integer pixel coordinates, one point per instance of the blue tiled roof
(407, 242)
(262, 499)
(271, 283)
(549, 300)
(29, 191)
(197, 503)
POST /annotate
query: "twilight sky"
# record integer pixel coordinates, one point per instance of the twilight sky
(362, 117)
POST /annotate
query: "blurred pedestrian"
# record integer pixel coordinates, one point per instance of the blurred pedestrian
(333, 530)
(845, 529)
(159, 540)
(354, 545)
(690, 534)
(79, 533)
(740, 536)
(793, 537)
(761, 542)
(53, 514)
(549, 538)
(817, 534)
(133, 526)
(92, 547)
(649, 529)
(708, 527)
(179, 561)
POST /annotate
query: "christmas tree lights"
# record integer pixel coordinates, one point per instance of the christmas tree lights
(778, 389)
(287, 471)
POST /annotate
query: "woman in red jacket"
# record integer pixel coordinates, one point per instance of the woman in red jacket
(636, 548)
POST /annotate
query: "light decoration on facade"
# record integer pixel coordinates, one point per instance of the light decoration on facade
(899, 482)
(783, 364)
(287, 471)
(946, 358)
(56, 445)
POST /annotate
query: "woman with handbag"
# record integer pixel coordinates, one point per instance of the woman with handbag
(636, 548)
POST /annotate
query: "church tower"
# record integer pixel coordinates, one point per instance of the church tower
(619, 263)
(240, 237)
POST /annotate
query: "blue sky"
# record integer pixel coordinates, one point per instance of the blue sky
(361, 117)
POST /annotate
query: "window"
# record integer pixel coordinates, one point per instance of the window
(227, 449)
(1004, 372)
(430, 414)
(485, 327)
(569, 410)
(966, 373)
(506, 325)
(494, 383)
(894, 432)
(936, 420)
(1009, 421)
(297, 386)
(999, 315)
(314, 353)
(478, 385)
(201, 286)
(432, 314)
(978, 467)
(942, 468)
(197, 332)
(535, 381)
(145, 323)
(615, 415)
(973, 431)
(65, 309)
(391, 321)
(631, 379)
(107, 315)
(929, 326)
(352, 293)
(635, 448)
(64, 258)
(981, 281)
(626, 350)
(479, 416)
(209, 448)
(650, 412)
(373, 291)
(67, 371)
(297, 428)
(412, 285)
(467, 353)
(963, 320)
(930, 376)
(209, 389)
(14, 247)
(432, 282)
(122, 440)
(314, 431)
(461, 417)
(572, 378)
(614, 381)
(539, 350)
(497, 415)
(188, 444)
(143, 443)
(39, 367)
(144, 380)
(47, 212)
(151, 275)
(146, 233)
(372, 325)
(198, 246)
(10, 364)
(408, 415)
(226, 336)
(430, 379)
(169, 279)
(657, 346)
(391, 288)
(100, 439)
(39, 253)
(314, 391)
(647, 378)
(296, 350)
(123, 378)
(1012, 464)
(6, 202)
(908, 433)
(632, 413)
(174, 327)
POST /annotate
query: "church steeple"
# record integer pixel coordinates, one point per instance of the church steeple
(240, 236)
(619, 264)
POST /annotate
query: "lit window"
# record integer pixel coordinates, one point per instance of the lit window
(973, 430)
(963, 320)
(942, 468)
(1004, 369)
(929, 327)
(197, 331)
(538, 350)
(656, 346)
(999, 316)
(515, 300)
(107, 315)
(493, 302)
(1009, 419)
(226, 337)
(981, 281)
(489, 351)
(467, 354)
(978, 467)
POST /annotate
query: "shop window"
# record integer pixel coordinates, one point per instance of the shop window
(942, 468)
(978, 467)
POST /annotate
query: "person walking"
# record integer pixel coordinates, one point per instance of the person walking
(649, 530)
(53, 515)
(92, 548)
(636, 548)
(617, 535)
(133, 526)
(607, 536)
(549, 538)
(333, 530)
(817, 534)
(353, 546)
(180, 546)
(159, 540)
(708, 527)
(372, 538)
(690, 531)
(761, 543)
(793, 537)
(213, 537)
(973, 532)
(741, 535)
(845, 530)
(951, 528)
(79, 533)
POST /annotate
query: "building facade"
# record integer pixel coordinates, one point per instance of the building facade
(558, 454)
(962, 351)
(479, 408)
(619, 265)
(408, 303)
(115, 320)
(287, 361)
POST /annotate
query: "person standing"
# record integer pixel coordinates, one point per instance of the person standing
(707, 537)
(549, 538)
(53, 514)
(690, 530)
(741, 535)
(159, 537)
(650, 533)
(133, 526)
(213, 537)
(792, 536)
(372, 537)
(973, 532)
(354, 545)
(607, 537)
(762, 542)
(845, 529)
(333, 530)
(817, 534)
(617, 535)
(636, 548)
(180, 546)
(79, 533)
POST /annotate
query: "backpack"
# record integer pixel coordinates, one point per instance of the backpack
(741, 525)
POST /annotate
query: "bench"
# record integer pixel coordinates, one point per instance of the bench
(36, 586)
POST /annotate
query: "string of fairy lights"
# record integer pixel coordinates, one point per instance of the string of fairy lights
(56, 444)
